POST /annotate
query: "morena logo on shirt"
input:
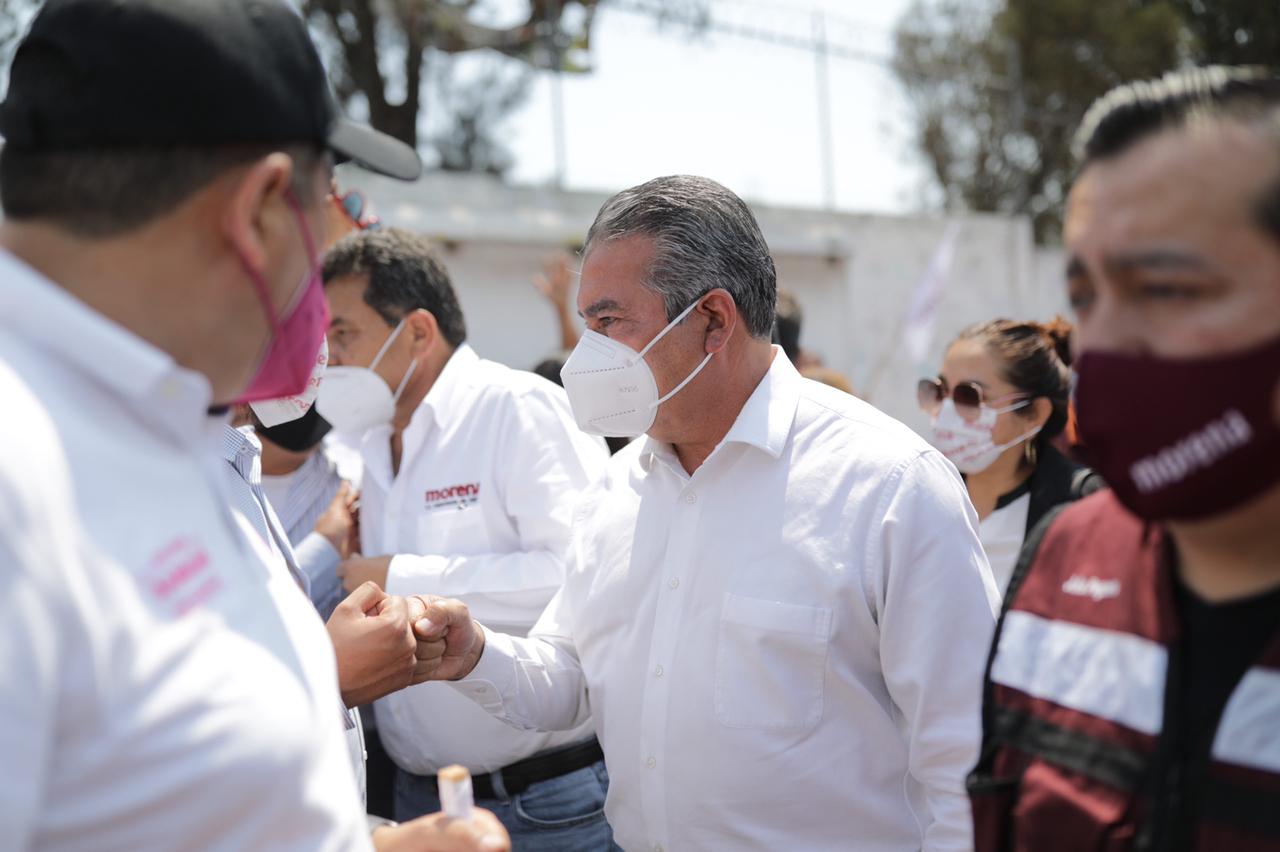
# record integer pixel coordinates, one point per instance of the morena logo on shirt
(180, 577)
(453, 496)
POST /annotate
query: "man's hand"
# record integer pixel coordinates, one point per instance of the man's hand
(556, 285)
(358, 570)
(429, 651)
(375, 647)
(453, 640)
(353, 538)
(338, 521)
(439, 833)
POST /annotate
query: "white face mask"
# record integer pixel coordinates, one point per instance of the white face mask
(611, 389)
(356, 399)
(969, 445)
(273, 412)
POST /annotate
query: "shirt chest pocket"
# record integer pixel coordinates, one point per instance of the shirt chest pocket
(771, 663)
(453, 532)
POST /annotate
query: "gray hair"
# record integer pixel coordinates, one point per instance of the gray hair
(707, 238)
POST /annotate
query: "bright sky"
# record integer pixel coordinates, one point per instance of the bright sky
(662, 101)
(738, 110)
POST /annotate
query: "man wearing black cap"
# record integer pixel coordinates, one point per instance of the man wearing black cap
(163, 180)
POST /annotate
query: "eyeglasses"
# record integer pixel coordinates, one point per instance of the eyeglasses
(353, 204)
(967, 396)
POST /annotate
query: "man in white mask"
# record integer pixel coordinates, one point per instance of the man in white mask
(471, 471)
(311, 502)
(776, 605)
(374, 647)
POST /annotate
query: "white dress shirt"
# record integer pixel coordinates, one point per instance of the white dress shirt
(480, 510)
(783, 650)
(299, 499)
(242, 451)
(162, 687)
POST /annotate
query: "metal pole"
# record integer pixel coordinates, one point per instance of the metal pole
(1018, 118)
(558, 139)
(826, 141)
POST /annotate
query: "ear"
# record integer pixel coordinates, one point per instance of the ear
(242, 415)
(1039, 411)
(423, 331)
(256, 209)
(722, 318)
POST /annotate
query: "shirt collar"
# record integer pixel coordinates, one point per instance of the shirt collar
(765, 419)
(1009, 497)
(242, 449)
(439, 402)
(109, 354)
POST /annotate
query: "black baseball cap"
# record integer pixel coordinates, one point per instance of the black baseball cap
(101, 74)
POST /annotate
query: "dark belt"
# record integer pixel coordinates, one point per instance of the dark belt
(523, 774)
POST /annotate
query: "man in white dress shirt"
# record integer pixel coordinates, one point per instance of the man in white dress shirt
(776, 607)
(375, 650)
(471, 470)
(311, 499)
(164, 166)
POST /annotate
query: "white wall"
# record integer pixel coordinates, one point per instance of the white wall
(854, 275)
(507, 319)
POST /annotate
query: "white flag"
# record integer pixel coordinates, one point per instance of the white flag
(921, 316)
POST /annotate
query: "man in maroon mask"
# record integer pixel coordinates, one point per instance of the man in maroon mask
(1133, 695)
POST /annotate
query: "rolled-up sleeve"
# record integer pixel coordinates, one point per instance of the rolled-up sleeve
(318, 559)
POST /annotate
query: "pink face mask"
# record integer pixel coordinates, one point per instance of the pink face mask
(295, 338)
(1181, 439)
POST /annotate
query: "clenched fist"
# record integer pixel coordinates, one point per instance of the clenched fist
(455, 640)
(376, 649)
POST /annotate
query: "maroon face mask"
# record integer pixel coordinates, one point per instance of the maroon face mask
(1181, 439)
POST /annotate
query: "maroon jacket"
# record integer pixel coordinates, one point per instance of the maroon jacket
(1075, 703)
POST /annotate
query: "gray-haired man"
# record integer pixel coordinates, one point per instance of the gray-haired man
(776, 605)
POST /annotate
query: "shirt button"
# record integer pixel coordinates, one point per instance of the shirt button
(675, 583)
(652, 762)
(691, 498)
(657, 672)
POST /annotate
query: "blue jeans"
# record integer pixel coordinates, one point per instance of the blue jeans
(564, 814)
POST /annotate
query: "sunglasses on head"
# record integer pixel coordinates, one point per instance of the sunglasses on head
(967, 396)
(353, 203)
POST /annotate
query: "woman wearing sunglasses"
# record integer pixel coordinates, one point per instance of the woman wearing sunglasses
(346, 212)
(1002, 397)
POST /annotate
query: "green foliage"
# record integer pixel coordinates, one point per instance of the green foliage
(1233, 32)
(998, 88)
